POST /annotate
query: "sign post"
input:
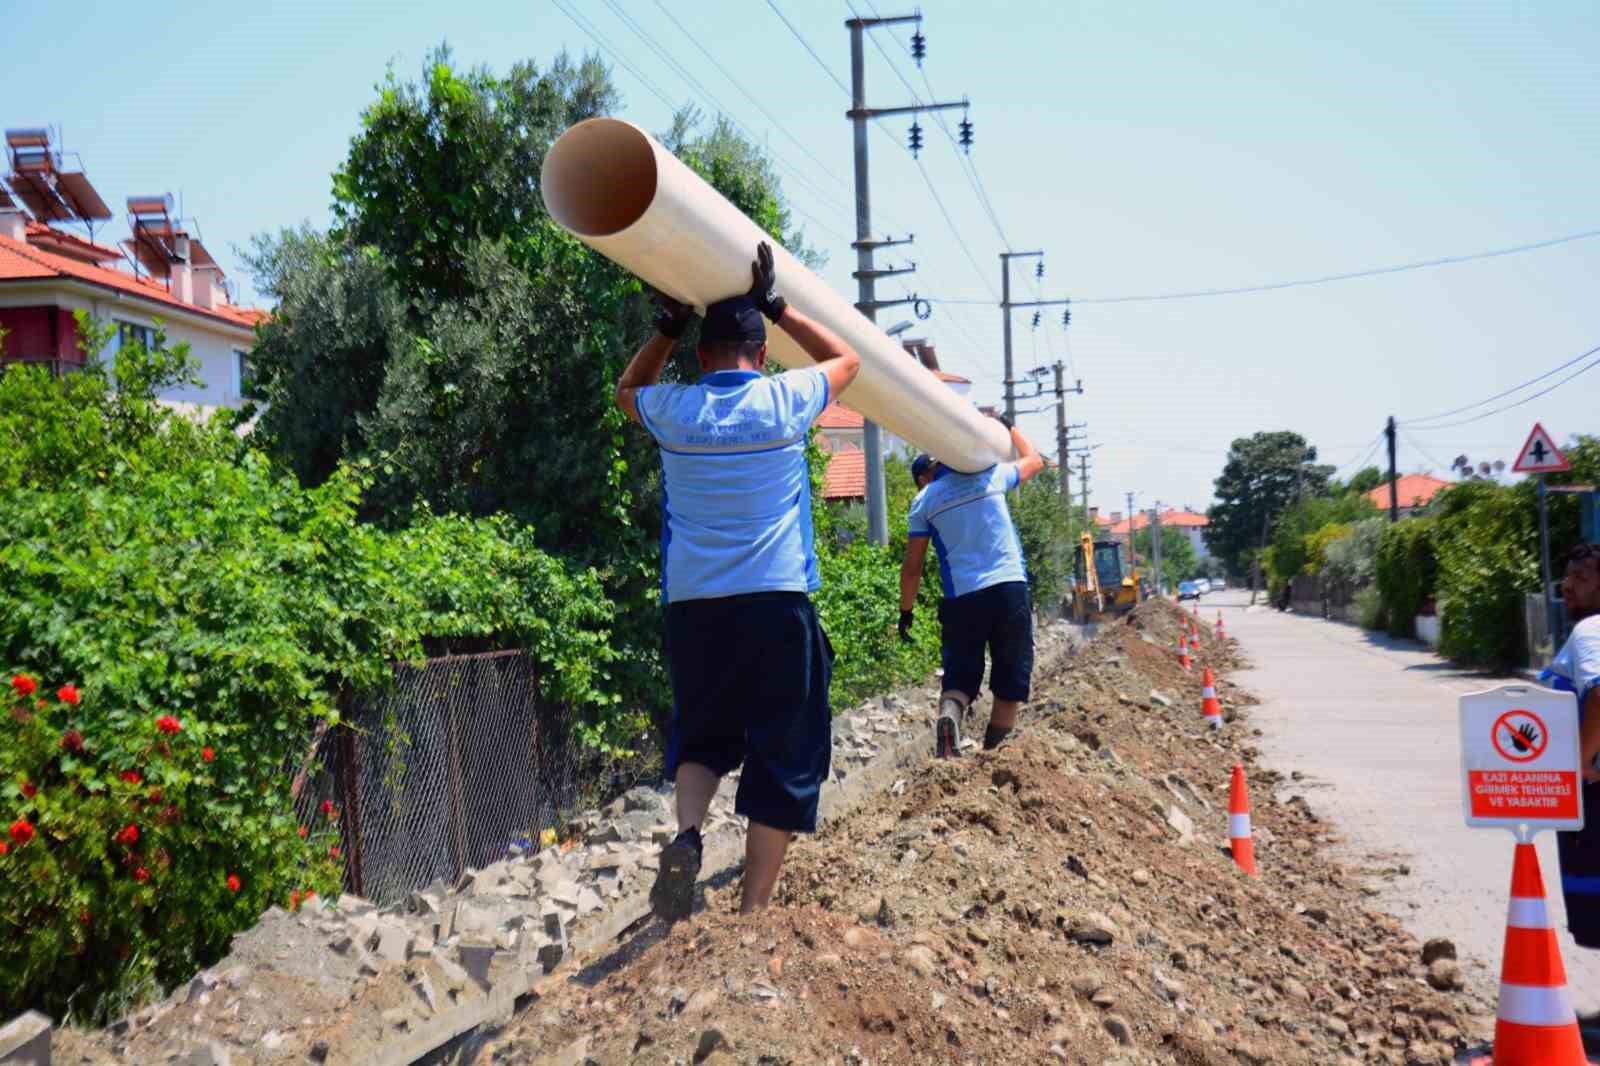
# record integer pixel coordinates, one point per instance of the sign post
(1519, 760)
(1540, 456)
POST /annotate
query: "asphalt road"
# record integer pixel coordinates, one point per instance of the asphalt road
(1371, 724)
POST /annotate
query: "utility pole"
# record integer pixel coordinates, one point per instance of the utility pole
(865, 274)
(1131, 553)
(1083, 487)
(1005, 316)
(1394, 486)
(1155, 542)
(1062, 439)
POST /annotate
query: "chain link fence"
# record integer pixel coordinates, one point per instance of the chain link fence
(452, 767)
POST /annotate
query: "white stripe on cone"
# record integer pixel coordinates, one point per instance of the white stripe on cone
(1535, 1005)
(1208, 693)
(1238, 826)
(1526, 913)
(1215, 720)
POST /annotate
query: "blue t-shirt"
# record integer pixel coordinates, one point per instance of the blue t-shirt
(736, 491)
(1576, 668)
(967, 517)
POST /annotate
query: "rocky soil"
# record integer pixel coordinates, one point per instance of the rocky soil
(1069, 898)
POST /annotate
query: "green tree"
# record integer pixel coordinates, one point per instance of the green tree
(1048, 531)
(1179, 561)
(1365, 480)
(1263, 475)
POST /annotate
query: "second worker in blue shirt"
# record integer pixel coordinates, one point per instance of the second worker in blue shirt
(986, 601)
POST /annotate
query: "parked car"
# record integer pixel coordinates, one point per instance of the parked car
(1188, 590)
(1218, 584)
(1203, 584)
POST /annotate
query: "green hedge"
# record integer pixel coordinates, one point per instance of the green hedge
(1406, 573)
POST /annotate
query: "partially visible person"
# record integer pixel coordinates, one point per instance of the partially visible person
(1576, 668)
(749, 661)
(986, 599)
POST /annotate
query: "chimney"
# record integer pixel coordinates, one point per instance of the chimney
(13, 224)
(181, 281)
(207, 287)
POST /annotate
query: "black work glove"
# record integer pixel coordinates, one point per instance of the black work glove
(1006, 421)
(763, 284)
(673, 317)
(905, 626)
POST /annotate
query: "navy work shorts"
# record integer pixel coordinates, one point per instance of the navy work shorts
(1580, 872)
(999, 618)
(750, 679)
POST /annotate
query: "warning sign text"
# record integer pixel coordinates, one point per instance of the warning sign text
(1523, 794)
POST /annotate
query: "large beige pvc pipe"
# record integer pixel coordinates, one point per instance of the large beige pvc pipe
(624, 195)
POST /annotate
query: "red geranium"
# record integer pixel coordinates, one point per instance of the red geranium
(72, 741)
(305, 897)
(131, 777)
(24, 685)
(302, 832)
(128, 835)
(21, 831)
(4, 847)
(294, 900)
(207, 754)
(67, 694)
(140, 874)
(234, 884)
(327, 808)
(29, 789)
(168, 724)
(333, 852)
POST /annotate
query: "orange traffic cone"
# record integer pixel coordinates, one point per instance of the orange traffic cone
(1210, 706)
(1222, 634)
(1244, 849)
(1535, 1023)
(1194, 637)
(1183, 653)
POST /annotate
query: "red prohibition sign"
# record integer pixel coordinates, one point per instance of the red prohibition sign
(1520, 736)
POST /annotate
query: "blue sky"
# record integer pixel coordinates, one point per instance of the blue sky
(1147, 148)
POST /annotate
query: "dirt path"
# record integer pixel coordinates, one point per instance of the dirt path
(1066, 899)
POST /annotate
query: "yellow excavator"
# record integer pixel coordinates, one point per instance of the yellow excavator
(1103, 583)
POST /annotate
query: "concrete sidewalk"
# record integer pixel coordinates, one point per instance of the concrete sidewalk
(1371, 723)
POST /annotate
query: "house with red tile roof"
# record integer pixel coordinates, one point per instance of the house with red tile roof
(162, 276)
(1413, 492)
(1191, 524)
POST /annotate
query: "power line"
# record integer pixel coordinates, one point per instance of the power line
(1437, 464)
(1324, 279)
(776, 10)
(1526, 399)
(583, 25)
(1501, 395)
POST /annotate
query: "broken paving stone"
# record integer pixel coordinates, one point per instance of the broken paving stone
(1444, 974)
(391, 943)
(1092, 928)
(1437, 948)
(1182, 824)
(211, 1053)
(477, 959)
(424, 990)
(454, 976)
(1158, 697)
(588, 902)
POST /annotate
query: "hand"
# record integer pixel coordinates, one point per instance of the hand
(763, 284)
(1005, 421)
(673, 318)
(905, 626)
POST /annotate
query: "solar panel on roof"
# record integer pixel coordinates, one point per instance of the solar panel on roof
(74, 187)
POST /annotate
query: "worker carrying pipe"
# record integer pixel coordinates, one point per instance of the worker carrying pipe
(986, 598)
(749, 662)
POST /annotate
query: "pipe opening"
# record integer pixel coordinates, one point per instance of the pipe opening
(599, 177)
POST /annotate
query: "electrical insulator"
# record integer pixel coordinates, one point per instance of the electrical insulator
(916, 139)
(919, 47)
(1066, 318)
(965, 137)
(1038, 269)
(1036, 320)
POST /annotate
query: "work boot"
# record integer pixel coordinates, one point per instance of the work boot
(947, 729)
(672, 896)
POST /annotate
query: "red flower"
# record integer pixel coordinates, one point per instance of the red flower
(327, 809)
(168, 724)
(155, 795)
(67, 694)
(140, 874)
(4, 847)
(131, 777)
(21, 831)
(83, 917)
(305, 897)
(333, 852)
(128, 835)
(24, 685)
(207, 754)
(302, 832)
(72, 741)
(294, 900)
(234, 884)
(29, 790)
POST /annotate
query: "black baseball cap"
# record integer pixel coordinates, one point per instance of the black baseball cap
(734, 319)
(921, 465)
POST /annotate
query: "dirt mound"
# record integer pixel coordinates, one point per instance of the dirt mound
(1068, 898)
